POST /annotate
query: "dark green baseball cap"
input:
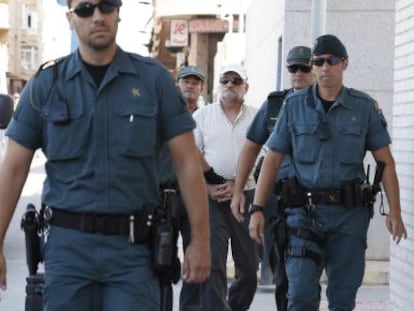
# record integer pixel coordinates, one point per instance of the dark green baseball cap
(299, 55)
(191, 71)
(329, 44)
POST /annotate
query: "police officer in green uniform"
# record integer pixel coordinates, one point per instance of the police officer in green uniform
(100, 116)
(298, 63)
(327, 129)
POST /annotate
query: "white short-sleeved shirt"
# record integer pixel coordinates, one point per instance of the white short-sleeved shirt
(221, 140)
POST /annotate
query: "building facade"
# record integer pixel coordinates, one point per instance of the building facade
(188, 32)
(4, 34)
(21, 41)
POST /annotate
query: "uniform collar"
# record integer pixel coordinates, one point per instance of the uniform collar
(121, 63)
(312, 97)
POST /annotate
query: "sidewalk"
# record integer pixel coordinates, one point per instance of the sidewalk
(376, 272)
(373, 295)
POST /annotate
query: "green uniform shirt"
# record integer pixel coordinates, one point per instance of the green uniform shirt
(328, 149)
(101, 144)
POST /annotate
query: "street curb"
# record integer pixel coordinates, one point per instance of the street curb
(376, 273)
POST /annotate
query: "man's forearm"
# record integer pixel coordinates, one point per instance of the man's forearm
(245, 164)
(391, 188)
(13, 173)
(186, 159)
(194, 193)
(10, 190)
(271, 165)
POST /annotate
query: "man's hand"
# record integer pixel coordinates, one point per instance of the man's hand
(197, 261)
(222, 192)
(3, 283)
(225, 193)
(237, 205)
(396, 227)
(256, 226)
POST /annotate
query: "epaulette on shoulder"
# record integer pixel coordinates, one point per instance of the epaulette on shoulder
(359, 94)
(277, 94)
(134, 55)
(48, 64)
(140, 58)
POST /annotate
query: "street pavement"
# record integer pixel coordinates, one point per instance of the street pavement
(13, 299)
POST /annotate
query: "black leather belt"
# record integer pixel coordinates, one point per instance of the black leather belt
(327, 197)
(316, 197)
(136, 225)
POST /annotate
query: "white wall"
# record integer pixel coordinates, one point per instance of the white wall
(264, 26)
(402, 256)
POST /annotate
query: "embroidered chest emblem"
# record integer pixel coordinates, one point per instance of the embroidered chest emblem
(135, 92)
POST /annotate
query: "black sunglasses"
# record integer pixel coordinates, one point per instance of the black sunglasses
(295, 68)
(86, 9)
(331, 60)
(235, 80)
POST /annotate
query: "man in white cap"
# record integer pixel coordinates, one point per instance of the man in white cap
(220, 132)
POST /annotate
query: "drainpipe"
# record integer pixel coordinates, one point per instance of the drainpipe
(318, 18)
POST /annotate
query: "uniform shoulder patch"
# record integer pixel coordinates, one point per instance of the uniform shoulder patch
(378, 110)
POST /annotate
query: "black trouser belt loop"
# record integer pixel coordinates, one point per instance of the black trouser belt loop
(108, 224)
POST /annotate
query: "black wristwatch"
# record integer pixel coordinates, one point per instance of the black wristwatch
(253, 208)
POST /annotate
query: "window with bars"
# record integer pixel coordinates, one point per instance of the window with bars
(29, 57)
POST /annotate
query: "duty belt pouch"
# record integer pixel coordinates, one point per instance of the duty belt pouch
(352, 193)
(293, 192)
(172, 203)
(357, 192)
(348, 195)
(163, 246)
(143, 225)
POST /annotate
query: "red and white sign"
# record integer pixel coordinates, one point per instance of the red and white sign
(179, 32)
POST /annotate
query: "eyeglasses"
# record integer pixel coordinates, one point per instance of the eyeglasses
(295, 68)
(235, 80)
(331, 60)
(86, 9)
